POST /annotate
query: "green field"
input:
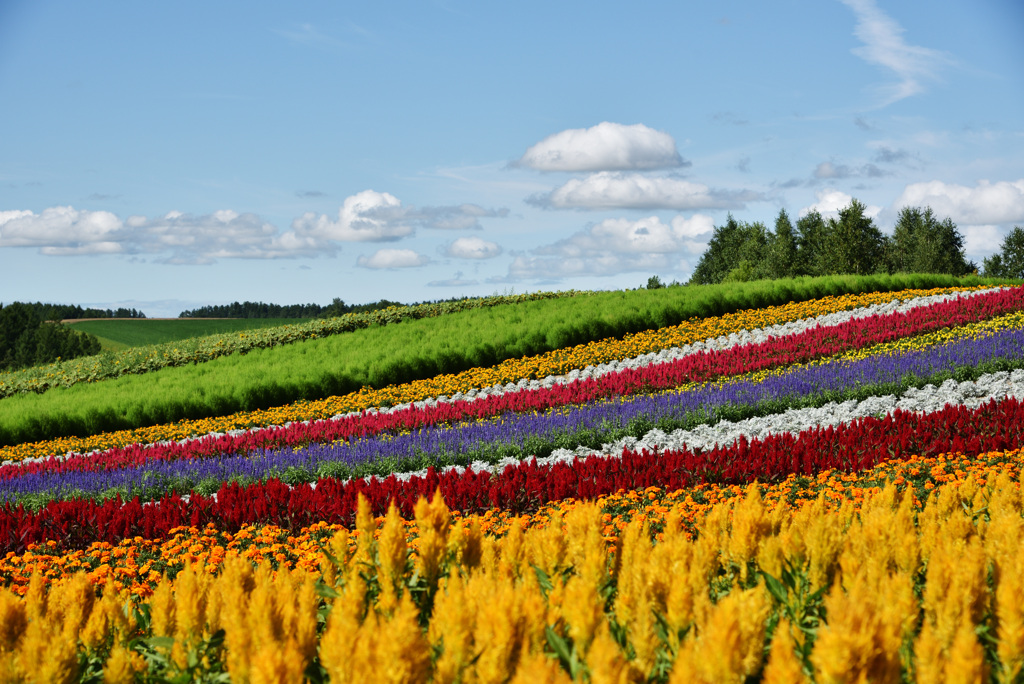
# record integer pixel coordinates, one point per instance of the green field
(380, 356)
(116, 334)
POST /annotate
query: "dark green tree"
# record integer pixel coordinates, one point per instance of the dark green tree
(654, 283)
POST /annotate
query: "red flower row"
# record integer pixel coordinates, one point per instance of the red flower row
(522, 488)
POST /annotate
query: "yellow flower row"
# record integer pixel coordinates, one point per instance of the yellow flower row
(552, 363)
(865, 582)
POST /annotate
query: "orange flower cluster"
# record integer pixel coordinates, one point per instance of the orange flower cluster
(552, 363)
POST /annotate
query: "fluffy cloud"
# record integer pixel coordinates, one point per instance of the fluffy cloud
(371, 216)
(608, 190)
(180, 238)
(616, 246)
(830, 201)
(367, 216)
(981, 241)
(985, 203)
(604, 147)
(393, 258)
(471, 248)
(62, 230)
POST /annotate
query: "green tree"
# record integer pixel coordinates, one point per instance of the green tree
(654, 283)
(1009, 261)
(782, 261)
(812, 236)
(854, 243)
(730, 245)
(923, 244)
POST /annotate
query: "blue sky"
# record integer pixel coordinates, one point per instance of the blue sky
(167, 156)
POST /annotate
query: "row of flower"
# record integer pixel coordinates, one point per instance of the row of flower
(149, 358)
(553, 363)
(906, 573)
(153, 472)
(525, 486)
(532, 431)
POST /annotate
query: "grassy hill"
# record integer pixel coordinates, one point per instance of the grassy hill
(116, 334)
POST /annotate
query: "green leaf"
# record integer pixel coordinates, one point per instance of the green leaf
(775, 588)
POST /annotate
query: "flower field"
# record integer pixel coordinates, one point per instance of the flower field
(822, 491)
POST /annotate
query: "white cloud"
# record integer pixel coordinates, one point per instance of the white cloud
(608, 190)
(981, 240)
(616, 246)
(884, 46)
(604, 147)
(1001, 202)
(182, 238)
(224, 234)
(830, 201)
(393, 258)
(59, 228)
(367, 216)
(472, 248)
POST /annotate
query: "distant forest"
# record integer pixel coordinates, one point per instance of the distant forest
(264, 310)
(59, 312)
(30, 335)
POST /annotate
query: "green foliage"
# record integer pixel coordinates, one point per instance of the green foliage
(381, 356)
(654, 283)
(730, 245)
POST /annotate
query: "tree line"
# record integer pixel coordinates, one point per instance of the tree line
(265, 310)
(29, 337)
(819, 246)
(60, 312)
